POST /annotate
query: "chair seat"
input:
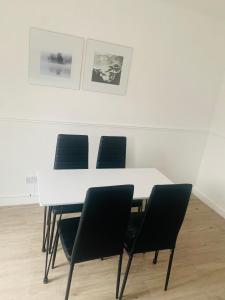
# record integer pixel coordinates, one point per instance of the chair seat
(132, 230)
(67, 209)
(137, 203)
(67, 232)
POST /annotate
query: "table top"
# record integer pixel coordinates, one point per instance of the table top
(59, 187)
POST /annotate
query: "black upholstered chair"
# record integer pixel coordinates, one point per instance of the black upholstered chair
(112, 155)
(112, 152)
(100, 230)
(158, 227)
(71, 153)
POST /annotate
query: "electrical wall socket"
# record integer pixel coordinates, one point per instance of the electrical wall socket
(31, 179)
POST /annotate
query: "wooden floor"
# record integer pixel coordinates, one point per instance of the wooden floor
(198, 271)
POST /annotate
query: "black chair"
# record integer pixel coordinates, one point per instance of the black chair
(112, 152)
(100, 230)
(112, 155)
(157, 229)
(71, 153)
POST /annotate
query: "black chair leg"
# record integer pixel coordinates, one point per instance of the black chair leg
(54, 249)
(118, 275)
(69, 281)
(169, 269)
(52, 232)
(44, 229)
(125, 276)
(156, 257)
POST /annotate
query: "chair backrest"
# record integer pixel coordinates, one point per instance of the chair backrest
(103, 222)
(71, 152)
(112, 152)
(163, 217)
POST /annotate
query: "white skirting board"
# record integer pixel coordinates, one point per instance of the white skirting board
(205, 199)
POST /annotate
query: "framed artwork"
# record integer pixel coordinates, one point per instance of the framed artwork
(106, 67)
(55, 59)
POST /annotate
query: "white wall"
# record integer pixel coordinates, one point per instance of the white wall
(210, 186)
(175, 76)
(29, 146)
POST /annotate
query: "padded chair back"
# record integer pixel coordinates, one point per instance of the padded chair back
(163, 217)
(112, 152)
(103, 222)
(71, 152)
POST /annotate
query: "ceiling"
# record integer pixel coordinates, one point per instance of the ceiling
(214, 8)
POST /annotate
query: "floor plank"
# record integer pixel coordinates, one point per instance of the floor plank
(198, 271)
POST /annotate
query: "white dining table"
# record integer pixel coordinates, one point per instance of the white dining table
(61, 187)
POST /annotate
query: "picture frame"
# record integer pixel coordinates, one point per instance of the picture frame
(55, 59)
(106, 67)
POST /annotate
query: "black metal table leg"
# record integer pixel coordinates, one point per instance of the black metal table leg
(156, 257)
(45, 280)
(44, 229)
(118, 275)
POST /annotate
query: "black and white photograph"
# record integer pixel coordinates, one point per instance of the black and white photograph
(55, 59)
(56, 64)
(107, 68)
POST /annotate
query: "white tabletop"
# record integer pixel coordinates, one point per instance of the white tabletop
(58, 187)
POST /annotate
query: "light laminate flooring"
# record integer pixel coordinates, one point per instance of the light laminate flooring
(198, 271)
